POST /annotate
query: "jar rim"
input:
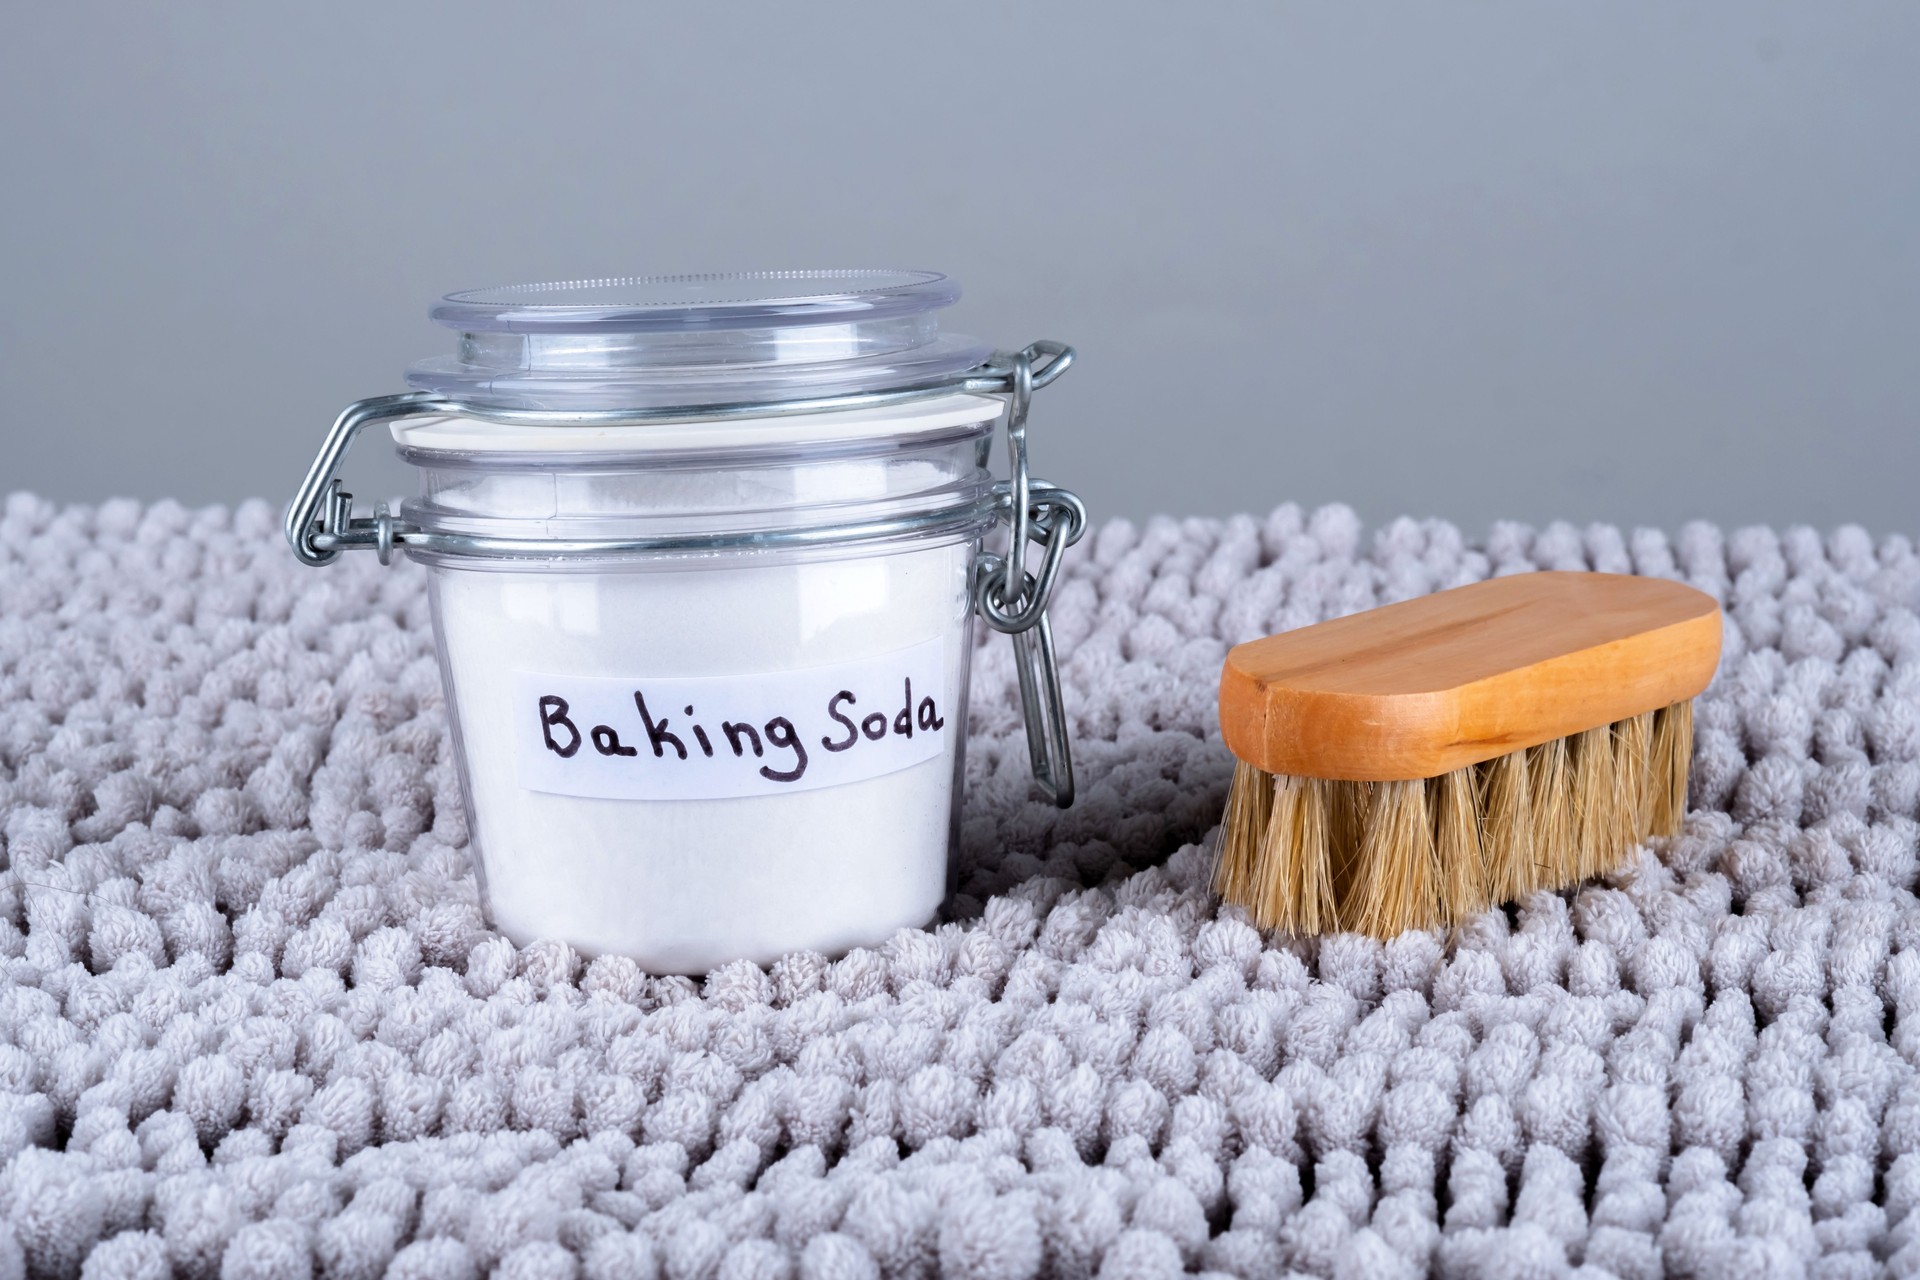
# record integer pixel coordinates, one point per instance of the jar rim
(696, 301)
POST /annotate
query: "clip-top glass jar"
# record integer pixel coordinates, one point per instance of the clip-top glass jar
(704, 555)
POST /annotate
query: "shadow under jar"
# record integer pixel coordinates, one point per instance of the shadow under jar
(704, 556)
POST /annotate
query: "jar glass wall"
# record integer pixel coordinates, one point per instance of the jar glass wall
(683, 882)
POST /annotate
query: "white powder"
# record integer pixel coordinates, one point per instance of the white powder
(683, 885)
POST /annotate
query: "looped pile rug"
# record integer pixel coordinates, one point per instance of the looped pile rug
(252, 1025)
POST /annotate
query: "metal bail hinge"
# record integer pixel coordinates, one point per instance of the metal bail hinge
(1013, 600)
(320, 523)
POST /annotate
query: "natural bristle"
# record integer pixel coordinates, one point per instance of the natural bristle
(1550, 776)
(1242, 832)
(1507, 805)
(1671, 758)
(1596, 801)
(1398, 882)
(1310, 855)
(1348, 804)
(1457, 845)
(1299, 890)
(1633, 762)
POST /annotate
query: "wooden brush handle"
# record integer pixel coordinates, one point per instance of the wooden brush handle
(1417, 689)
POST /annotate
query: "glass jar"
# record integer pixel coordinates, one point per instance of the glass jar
(704, 556)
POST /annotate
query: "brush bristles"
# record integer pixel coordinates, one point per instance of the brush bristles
(1398, 884)
(1550, 775)
(1348, 804)
(1300, 889)
(1458, 849)
(1596, 802)
(1671, 758)
(1309, 855)
(1243, 832)
(1633, 767)
(1507, 802)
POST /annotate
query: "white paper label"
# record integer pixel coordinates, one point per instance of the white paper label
(722, 736)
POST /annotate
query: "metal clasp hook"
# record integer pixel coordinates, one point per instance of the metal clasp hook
(320, 523)
(1055, 518)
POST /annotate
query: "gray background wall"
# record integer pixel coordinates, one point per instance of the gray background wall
(1638, 262)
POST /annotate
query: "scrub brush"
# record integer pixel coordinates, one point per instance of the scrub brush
(1408, 767)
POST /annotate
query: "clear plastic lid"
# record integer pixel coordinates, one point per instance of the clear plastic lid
(661, 341)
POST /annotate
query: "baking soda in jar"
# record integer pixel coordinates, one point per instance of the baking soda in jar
(704, 556)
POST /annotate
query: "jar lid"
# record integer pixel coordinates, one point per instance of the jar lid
(693, 340)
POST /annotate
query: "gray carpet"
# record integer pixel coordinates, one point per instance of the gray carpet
(253, 1026)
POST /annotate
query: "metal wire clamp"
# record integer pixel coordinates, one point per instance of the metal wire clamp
(1055, 519)
(320, 522)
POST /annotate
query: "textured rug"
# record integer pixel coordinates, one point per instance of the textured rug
(251, 1024)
